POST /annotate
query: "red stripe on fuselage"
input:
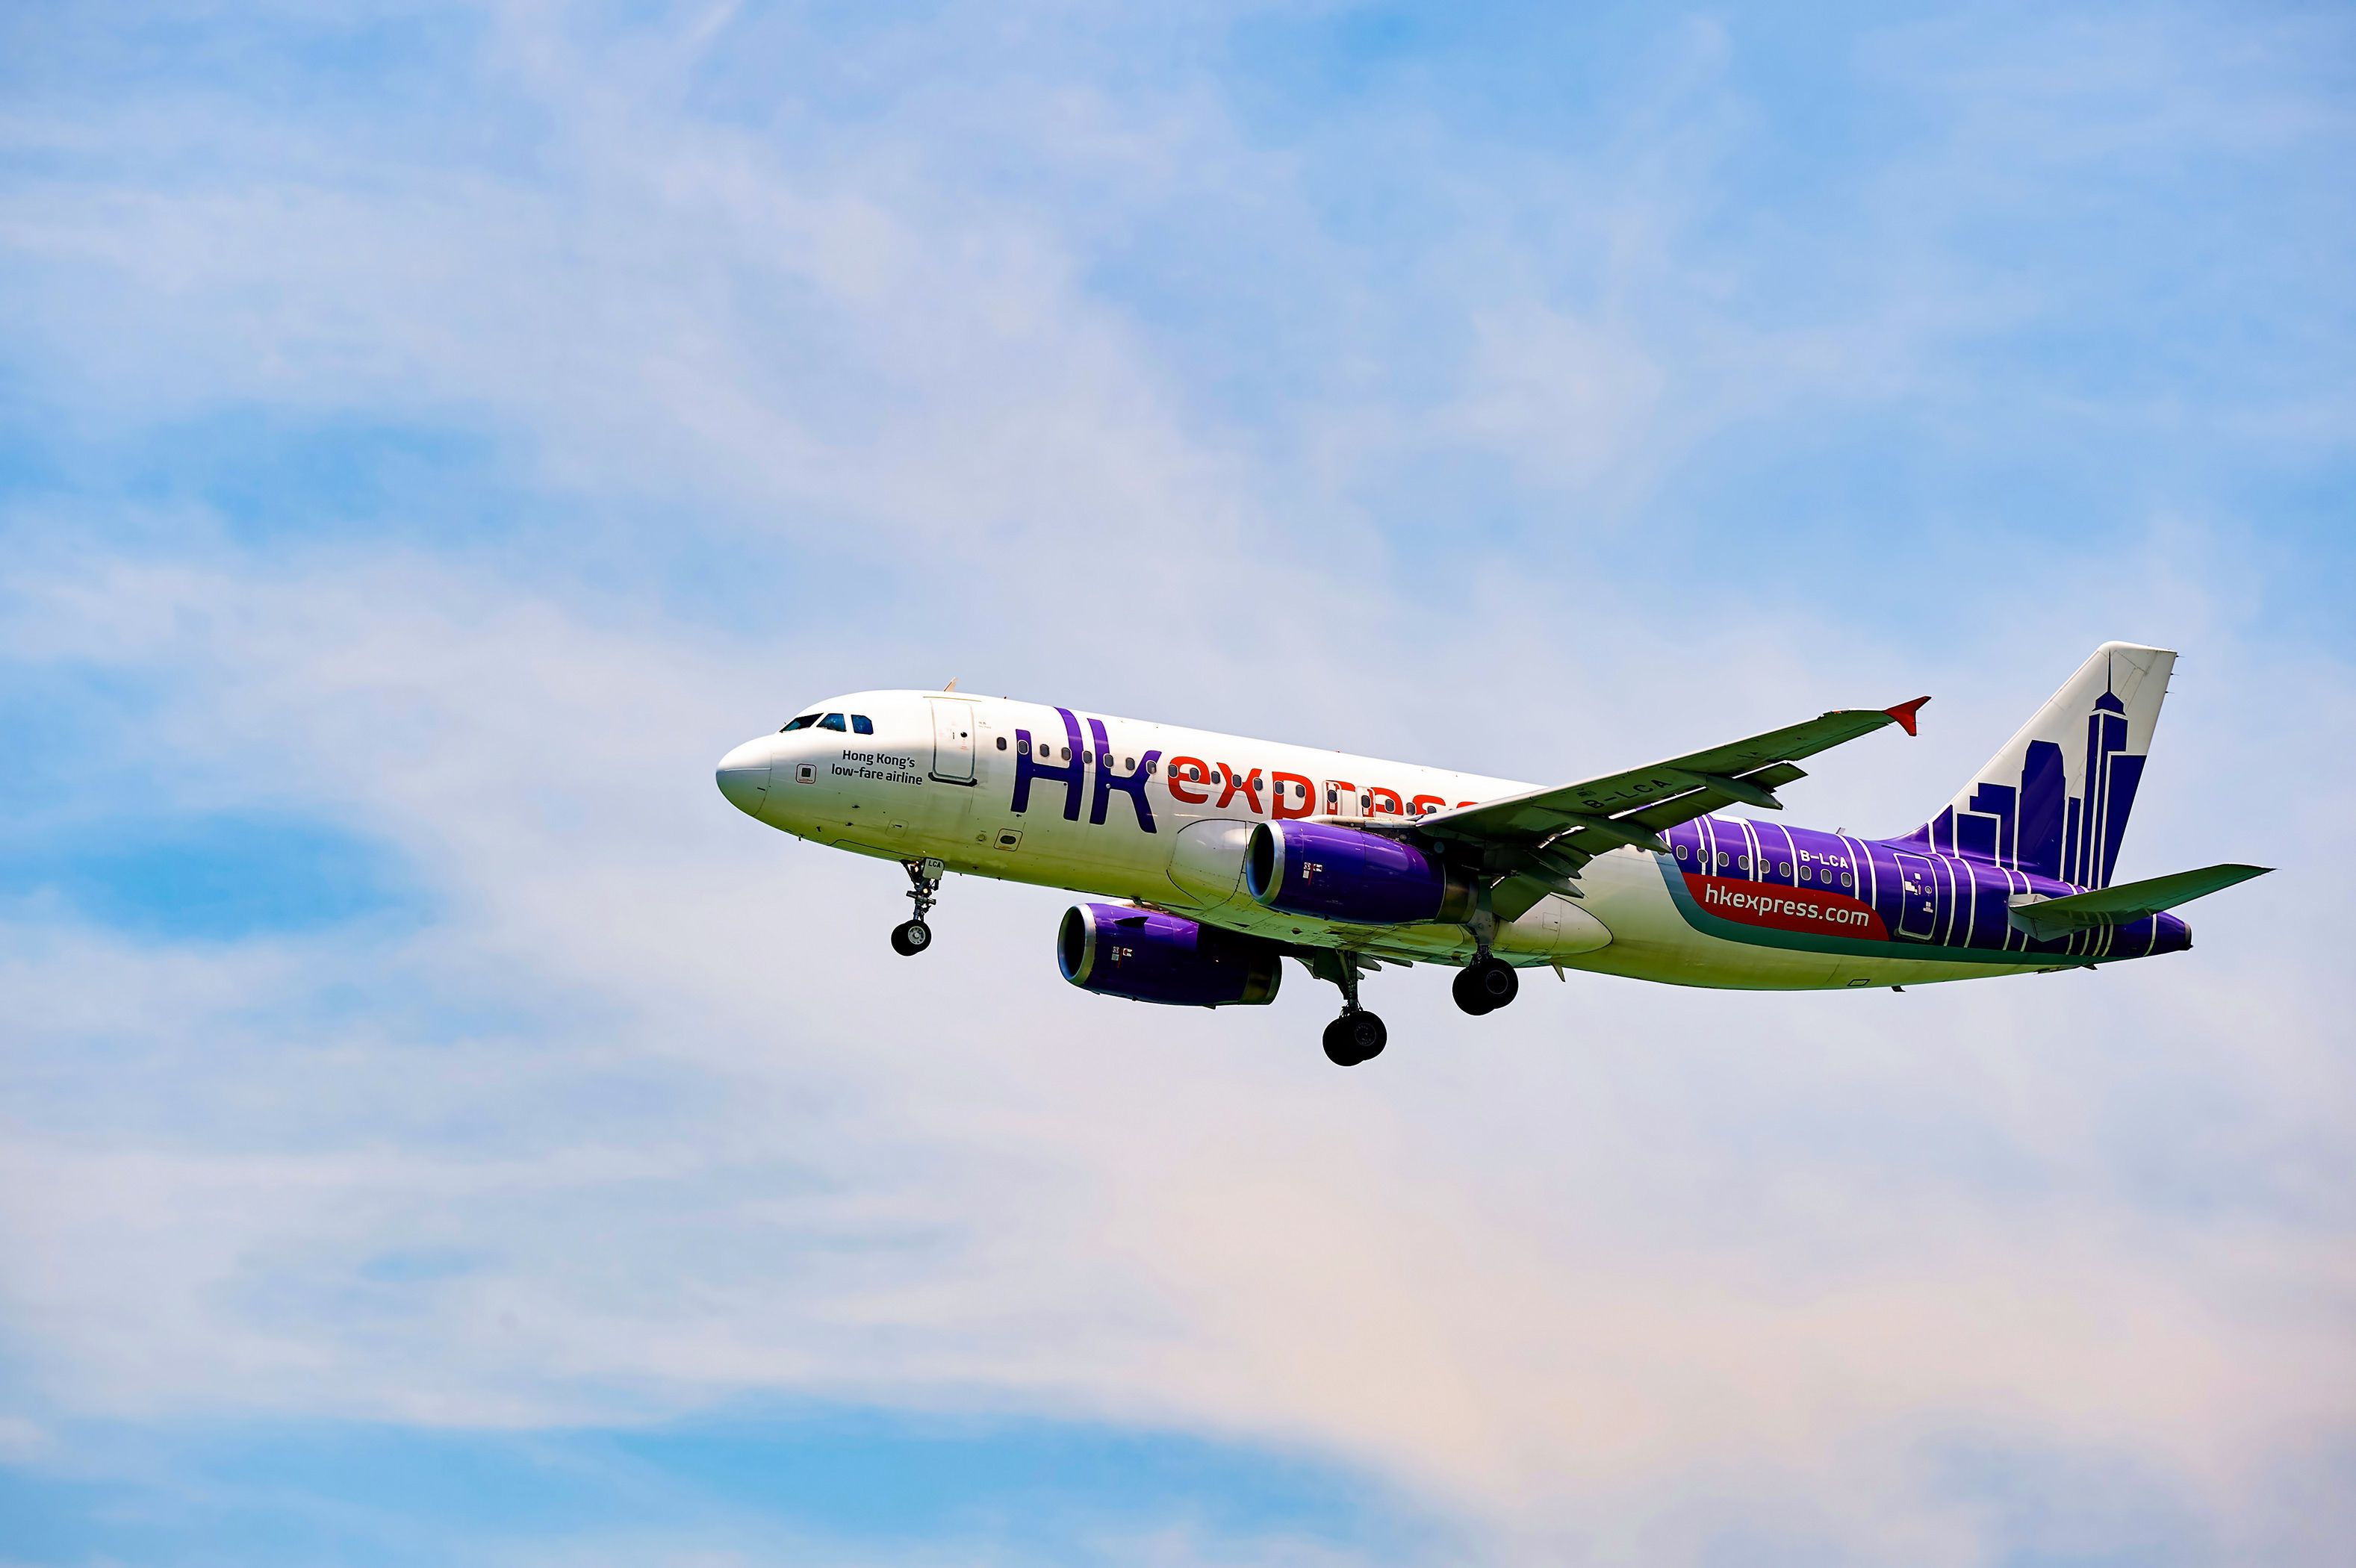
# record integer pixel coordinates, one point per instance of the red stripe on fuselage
(1785, 909)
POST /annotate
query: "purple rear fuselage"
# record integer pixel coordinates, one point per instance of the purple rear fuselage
(1796, 887)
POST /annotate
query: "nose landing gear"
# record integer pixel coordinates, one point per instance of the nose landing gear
(911, 937)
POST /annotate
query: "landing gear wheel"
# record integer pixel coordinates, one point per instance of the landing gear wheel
(1485, 986)
(1354, 1037)
(912, 937)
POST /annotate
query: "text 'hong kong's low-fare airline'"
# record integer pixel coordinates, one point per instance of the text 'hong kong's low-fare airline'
(1231, 855)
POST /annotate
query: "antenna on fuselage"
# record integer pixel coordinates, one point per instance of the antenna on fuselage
(951, 685)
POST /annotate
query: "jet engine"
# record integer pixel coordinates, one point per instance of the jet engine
(1148, 956)
(1351, 875)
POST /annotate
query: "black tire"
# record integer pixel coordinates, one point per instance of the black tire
(1337, 1045)
(1486, 986)
(911, 937)
(1354, 1038)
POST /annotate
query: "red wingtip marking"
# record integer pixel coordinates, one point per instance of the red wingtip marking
(1905, 711)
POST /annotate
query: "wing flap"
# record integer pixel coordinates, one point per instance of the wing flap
(1726, 775)
(1515, 896)
(1701, 802)
(1537, 843)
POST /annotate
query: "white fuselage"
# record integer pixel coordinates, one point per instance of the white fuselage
(939, 776)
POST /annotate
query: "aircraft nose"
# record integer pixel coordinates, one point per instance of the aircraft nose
(743, 775)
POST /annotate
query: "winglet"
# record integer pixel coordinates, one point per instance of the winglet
(1905, 711)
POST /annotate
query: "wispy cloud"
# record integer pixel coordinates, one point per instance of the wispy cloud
(672, 1167)
(443, 434)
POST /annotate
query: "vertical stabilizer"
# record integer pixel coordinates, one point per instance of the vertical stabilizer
(2055, 800)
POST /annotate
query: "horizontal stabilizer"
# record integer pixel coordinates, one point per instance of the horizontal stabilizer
(2046, 919)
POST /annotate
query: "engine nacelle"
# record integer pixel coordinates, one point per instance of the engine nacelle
(1351, 875)
(1148, 956)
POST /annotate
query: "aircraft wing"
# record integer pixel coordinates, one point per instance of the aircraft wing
(1537, 842)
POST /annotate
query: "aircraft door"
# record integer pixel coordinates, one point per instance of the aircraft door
(1342, 798)
(953, 728)
(1917, 897)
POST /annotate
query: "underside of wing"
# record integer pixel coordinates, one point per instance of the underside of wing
(1536, 842)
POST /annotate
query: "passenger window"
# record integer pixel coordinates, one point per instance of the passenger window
(831, 721)
(1002, 742)
(1783, 868)
(862, 725)
(1681, 852)
(804, 722)
(1844, 879)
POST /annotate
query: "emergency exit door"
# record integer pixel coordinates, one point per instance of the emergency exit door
(1918, 897)
(952, 741)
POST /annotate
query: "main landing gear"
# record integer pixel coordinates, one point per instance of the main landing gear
(1357, 1035)
(1354, 1037)
(1481, 986)
(1485, 985)
(911, 937)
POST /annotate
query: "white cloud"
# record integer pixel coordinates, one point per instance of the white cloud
(1619, 1248)
(645, 1118)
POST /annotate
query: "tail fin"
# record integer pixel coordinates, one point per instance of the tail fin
(2055, 800)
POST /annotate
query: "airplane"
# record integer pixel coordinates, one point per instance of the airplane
(1230, 854)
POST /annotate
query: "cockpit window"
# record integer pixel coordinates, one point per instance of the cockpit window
(862, 725)
(804, 722)
(831, 721)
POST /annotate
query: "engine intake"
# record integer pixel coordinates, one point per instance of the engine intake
(1351, 875)
(1148, 956)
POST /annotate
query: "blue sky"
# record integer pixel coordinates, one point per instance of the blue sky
(434, 1126)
